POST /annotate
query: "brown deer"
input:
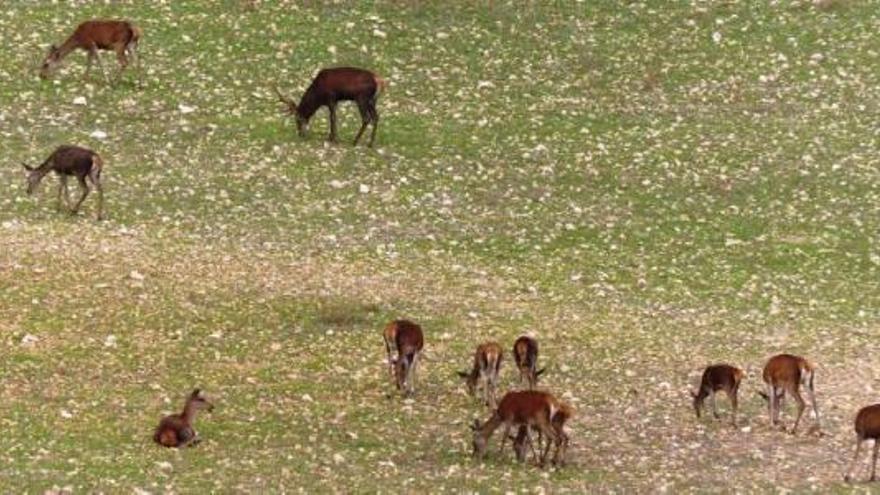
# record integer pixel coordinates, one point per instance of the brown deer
(68, 161)
(785, 373)
(867, 426)
(525, 354)
(120, 36)
(176, 430)
(486, 369)
(530, 409)
(409, 341)
(718, 377)
(330, 87)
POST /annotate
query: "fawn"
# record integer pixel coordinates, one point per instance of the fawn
(68, 161)
(525, 354)
(176, 430)
(718, 377)
(486, 369)
(120, 36)
(867, 426)
(409, 341)
(785, 373)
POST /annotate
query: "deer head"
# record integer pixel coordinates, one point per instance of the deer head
(199, 401)
(52, 60)
(34, 176)
(479, 441)
(302, 123)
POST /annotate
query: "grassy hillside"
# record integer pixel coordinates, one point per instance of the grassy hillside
(646, 187)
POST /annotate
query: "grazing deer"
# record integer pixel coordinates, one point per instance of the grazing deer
(120, 36)
(176, 430)
(718, 377)
(487, 367)
(867, 426)
(330, 87)
(409, 341)
(530, 409)
(525, 353)
(785, 373)
(68, 161)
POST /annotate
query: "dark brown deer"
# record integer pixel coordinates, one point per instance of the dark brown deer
(867, 426)
(119, 36)
(330, 87)
(529, 409)
(486, 369)
(786, 373)
(68, 161)
(525, 354)
(410, 341)
(718, 377)
(176, 430)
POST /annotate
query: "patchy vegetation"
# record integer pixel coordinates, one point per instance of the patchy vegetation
(647, 188)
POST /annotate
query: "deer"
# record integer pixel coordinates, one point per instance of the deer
(119, 36)
(718, 377)
(330, 87)
(409, 341)
(523, 440)
(525, 354)
(529, 409)
(486, 368)
(867, 426)
(176, 430)
(66, 161)
(785, 373)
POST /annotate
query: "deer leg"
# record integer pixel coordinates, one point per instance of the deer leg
(365, 119)
(332, 108)
(548, 432)
(93, 53)
(731, 394)
(504, 438)
(95, 176)
(812, 394)
(375, 119)
(849, 471)
(874, 460)
(62, 191)
(85, 192)
(801, 405)
(714, 409)
(771, 403)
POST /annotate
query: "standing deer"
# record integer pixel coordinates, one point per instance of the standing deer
(718, 377)
(867, 426)
(486, 369)
(120, 36)
(525, 354)
(330, 87)
(409, 341)
(529, 409)
(68, 161)
(176, 430)
(785, 373)
(523, 440)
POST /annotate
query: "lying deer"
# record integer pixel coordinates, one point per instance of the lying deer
(786, 373)
(867, 426)
(176, 430)
(486, 369)
(91, 36)
(330, 87)
(409, 341)
(718, 377)
(68, 161)
(525, 354)
(530, 409)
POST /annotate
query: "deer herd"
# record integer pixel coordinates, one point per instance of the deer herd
(530, 411)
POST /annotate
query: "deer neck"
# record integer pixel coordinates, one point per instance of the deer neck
(69, 45)
(491, 425)
(308, 105)
(189, 412)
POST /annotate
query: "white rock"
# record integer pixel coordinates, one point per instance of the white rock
(337, 184)
(98, 134)
(379, 33)
(110, 341)
(80, 100)
(364, 189)
(29, 340)
(185, 109)
(136, 275)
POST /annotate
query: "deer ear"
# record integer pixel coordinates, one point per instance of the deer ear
(196, 393)
(463, 374)
(27, 167)
(476, 425)
(539, 372)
